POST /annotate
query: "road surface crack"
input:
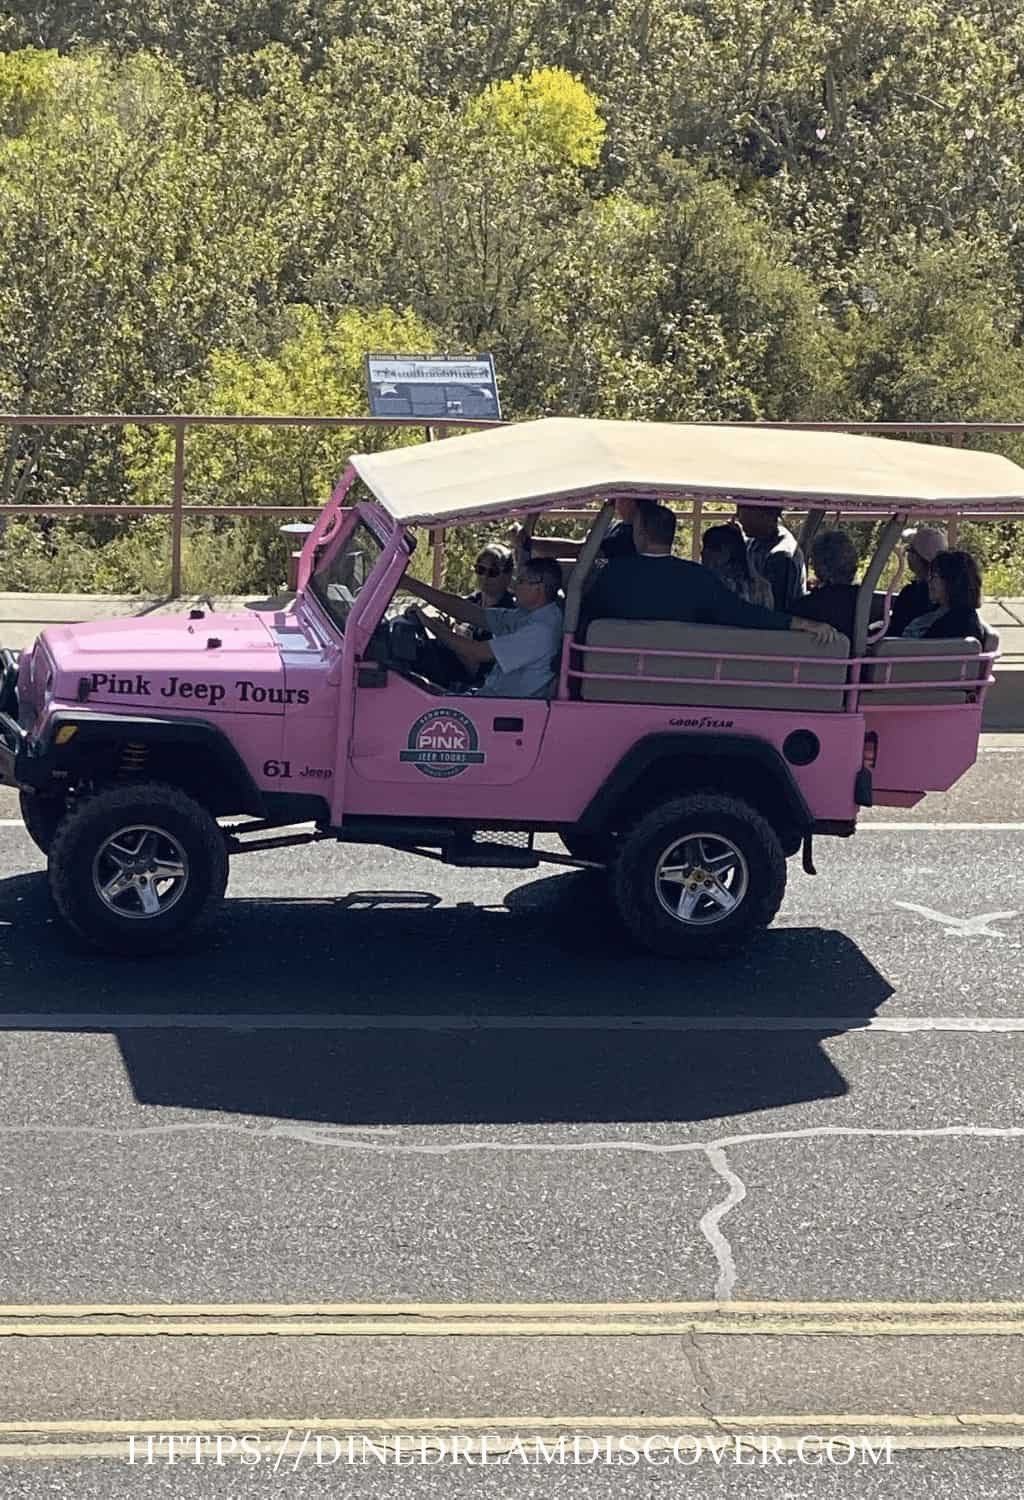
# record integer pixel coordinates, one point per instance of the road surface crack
(701, 1375)
(710, 1224)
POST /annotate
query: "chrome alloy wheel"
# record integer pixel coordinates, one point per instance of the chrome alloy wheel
(701, 879)
(140, 872)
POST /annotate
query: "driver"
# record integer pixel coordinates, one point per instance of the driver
(526, 641)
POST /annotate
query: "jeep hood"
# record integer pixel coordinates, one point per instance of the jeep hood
(231, 662)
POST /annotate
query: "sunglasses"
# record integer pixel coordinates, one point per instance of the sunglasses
(482, 572)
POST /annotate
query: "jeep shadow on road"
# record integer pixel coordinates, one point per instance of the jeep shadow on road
(536, 993)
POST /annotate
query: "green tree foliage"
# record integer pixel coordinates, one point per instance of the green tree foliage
(701, 209)
(318, 365)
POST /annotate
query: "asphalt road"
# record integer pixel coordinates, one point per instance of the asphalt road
(383, 1080)
(915, 1476)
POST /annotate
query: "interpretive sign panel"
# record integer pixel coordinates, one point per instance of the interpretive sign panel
(432, 385)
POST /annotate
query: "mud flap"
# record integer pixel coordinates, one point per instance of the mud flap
(808, 860)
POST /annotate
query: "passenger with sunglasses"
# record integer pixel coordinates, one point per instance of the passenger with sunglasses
(493, 569)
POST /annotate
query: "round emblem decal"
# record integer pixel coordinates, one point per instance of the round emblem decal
(443, 742)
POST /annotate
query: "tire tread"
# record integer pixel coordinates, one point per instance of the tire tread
(167, 797)
(638, 906)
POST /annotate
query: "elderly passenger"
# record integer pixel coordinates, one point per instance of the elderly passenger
(834, 599)
(923, 545)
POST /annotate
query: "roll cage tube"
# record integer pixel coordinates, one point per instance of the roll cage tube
(862, 617)
(584, 563)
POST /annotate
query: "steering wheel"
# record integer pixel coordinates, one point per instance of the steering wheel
(420, 630)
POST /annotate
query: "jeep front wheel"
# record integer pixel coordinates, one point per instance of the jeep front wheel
(134, 868)
(698, 875)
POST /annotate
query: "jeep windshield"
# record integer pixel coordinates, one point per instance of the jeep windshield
(338, 584)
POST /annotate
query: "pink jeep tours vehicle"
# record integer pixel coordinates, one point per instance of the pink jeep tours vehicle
(688, 760)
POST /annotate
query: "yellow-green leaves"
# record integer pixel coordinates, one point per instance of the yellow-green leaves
(548, 113)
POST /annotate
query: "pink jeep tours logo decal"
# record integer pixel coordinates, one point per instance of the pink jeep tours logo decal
(443, 742)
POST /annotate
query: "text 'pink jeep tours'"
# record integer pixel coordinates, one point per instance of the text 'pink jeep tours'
(690, 760)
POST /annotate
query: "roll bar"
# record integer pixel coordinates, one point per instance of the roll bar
(584, 563)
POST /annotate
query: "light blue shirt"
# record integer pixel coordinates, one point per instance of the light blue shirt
(526, 646)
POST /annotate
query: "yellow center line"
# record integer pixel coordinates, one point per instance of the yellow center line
(780, 1308)
(638, 1422)
(914, 1443)
(499, 1328)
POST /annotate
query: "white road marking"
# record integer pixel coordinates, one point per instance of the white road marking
(940, 827)
(330, 1137)
(61, 1021)
(347, 1138)
(967, 927)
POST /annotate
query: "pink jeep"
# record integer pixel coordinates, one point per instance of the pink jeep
(690, 761)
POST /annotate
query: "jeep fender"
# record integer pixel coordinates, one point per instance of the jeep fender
(180, 750)
(673, 764)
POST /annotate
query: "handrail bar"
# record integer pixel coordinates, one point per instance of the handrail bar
(851, 684)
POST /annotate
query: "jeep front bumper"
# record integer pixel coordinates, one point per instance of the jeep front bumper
(20, 763)
(12, 748)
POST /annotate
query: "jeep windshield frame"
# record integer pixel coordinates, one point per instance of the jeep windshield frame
(341, 576)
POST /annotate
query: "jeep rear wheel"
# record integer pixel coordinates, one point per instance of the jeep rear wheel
(134, 868)
(698, 875)
(42, 817)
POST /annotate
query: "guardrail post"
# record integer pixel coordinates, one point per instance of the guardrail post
(437, 540)
(953, 530)
(178, 502)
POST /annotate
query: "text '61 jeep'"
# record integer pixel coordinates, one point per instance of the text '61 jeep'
(688, 760)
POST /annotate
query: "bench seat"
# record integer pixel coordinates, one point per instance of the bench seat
(824, 666)
(903, 659)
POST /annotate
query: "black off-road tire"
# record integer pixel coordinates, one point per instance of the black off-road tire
(42, 817)
(634, 888)
(151, 804)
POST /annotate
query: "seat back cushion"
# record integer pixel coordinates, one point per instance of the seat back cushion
(717, 674)
(903, 660)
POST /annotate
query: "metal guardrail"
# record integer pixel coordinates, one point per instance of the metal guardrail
(180, 424)
(177, 509)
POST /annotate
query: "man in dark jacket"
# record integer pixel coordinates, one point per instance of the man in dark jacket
(773, 551)
(654, 585)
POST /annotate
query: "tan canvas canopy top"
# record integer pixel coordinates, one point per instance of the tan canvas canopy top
(529, 466)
